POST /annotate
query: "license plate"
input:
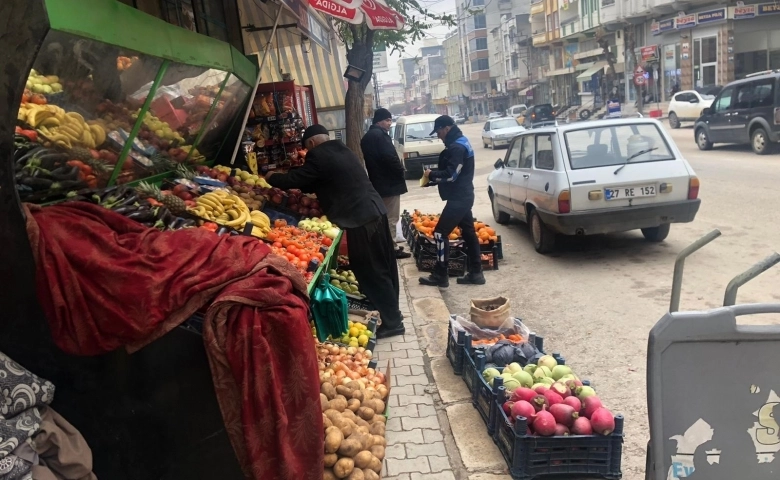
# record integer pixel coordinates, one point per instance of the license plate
(617, 193)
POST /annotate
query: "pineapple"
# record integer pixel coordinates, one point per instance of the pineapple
(162, 164)
(175, 204)
(85, 155)
(185, 172)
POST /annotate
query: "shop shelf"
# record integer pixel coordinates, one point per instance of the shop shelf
(455, 268)
(575, 456)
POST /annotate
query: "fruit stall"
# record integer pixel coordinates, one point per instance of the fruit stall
(128, 120)
(544, 419)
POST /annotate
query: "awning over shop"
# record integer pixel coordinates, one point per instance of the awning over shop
(560, 71)
(308, 63)
(587, 74)
(583, 66)
(523, 92)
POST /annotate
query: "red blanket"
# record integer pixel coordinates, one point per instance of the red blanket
(106, 282)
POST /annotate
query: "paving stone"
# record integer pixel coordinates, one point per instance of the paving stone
(414, 353)
(402, 380)
(392, 401)
(429, 449)
(393, 424)
(439, 463)
(405, 345)
(411, 436)
(432, 309)
(409, 410)
(417, 370)
(421, 389)
(403, 476)
(445, 475)
(418, 399)
(451, 387)
(409, 465)
(383, 346)
(402, 362)
(402, 390)
(405, 370)
(396, 451)
(426, 410)
(411, 423)
(431, 436)
(477, 450)
(411, 273)
(382, 356)
(436, 338)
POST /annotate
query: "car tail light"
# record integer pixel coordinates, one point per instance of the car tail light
(410, 155)
(693, 188)
(564, 202)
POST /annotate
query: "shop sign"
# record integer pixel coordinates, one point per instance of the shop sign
(744, 11)
(613, 109)
(658, 28)
(685, 21)
(711, 16)
(649, 54)
(513, 84)
(380, 59)
(496, 95)
(655, 28)
(478, 96)
(768, 8)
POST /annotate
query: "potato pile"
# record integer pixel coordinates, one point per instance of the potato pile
(352, 415)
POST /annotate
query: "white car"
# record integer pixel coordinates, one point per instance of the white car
(593, 178)
(687, 106)
(499, 132)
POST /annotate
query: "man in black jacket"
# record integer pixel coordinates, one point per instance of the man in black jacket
(333, 172)
(455, 178)
(385, 169)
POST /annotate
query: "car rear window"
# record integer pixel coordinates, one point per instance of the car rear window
(419, 131)
(543, 110)
(616, 145)
(506, 123)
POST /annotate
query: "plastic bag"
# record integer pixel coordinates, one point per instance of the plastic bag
(329, 307)
(505, 352)
(511, 326)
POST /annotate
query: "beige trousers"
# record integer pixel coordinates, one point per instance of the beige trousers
(393, 207)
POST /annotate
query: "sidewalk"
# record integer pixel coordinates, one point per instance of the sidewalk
(433, 431)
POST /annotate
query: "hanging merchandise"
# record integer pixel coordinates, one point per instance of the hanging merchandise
(329, 306)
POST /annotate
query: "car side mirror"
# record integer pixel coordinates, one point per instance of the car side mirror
(694, 100)
(499, 164)
(707, 111)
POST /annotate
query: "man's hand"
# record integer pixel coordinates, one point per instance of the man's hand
(270, 174)
(427, 172)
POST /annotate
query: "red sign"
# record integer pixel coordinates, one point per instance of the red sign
(639, 80)
(349, 15)
(649, 54)
(639, 70)
(381, 17)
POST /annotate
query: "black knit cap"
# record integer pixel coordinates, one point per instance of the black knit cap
(315, 129)
(441, 122)
(381, 114)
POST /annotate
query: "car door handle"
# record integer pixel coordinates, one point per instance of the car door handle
(525, 175)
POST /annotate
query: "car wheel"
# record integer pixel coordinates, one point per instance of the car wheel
(499, 216)
(542, 236)
(656, 234)
(484, 145)
(760, 142)
(674, 122)
(703, 140)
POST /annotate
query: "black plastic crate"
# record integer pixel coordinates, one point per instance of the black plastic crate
(471, 376)
(483, 395)
(406, 222)
(574, 456)
(426, 244)
(489, 248)
(456, 266)
(455, 349)
(359, 303)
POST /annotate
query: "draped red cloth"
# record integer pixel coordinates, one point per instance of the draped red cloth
(106, 282)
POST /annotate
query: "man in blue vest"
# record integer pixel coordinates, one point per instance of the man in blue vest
(455, 178)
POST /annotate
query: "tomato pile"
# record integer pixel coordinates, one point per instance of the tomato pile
(298, 246)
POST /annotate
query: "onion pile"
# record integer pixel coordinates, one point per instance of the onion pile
(341, 365)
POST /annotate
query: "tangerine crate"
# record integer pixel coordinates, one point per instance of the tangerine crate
(574, 456)
(456, 267)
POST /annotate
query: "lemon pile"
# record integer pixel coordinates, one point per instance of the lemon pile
(357, 335)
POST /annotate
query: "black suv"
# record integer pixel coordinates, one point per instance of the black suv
(745, 111)
(539, 114)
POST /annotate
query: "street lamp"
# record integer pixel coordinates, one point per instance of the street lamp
(354, 73)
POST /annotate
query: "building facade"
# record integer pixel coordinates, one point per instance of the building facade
(456, 86)
(472, 30)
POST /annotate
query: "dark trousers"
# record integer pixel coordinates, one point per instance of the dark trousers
(372, 260)
(457, 213)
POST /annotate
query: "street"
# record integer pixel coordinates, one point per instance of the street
(596, 298)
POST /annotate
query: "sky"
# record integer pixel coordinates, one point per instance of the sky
(439, 33)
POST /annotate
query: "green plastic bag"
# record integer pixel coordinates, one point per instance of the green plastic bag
(329, 306)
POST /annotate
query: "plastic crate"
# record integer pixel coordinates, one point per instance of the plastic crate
(358, 303)
(455, 268)
(455, 348)
(488, 248)
(575, 456)
(471, 376)
(536, 340)
(428, 245)
(406, 222)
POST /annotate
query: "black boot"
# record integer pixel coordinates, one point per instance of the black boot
(400, 254)
(437, 278)
(472, 278)
(386, 332)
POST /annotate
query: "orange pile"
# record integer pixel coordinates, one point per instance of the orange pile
(425, 224)
(297, 246)
(514, 338)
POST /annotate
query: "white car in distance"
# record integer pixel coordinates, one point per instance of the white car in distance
(687, 106)
(499, 132)
(594, 177)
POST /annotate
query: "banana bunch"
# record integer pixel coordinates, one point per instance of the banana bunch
(66, 129)
(230, 210)
(196, 156)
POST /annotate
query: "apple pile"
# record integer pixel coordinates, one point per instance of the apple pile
(553, 400)
(320, 225)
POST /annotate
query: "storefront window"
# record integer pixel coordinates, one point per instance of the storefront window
(671, 59)
(750, 62)
(774, 60)
(705, 61)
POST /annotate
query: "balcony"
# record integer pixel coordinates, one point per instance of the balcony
(539, 39)
(504, 6)
(570, 26)
(537, 8)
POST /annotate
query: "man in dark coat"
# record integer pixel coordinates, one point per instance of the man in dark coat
(385, 169)
(333, 172)
(455, 178)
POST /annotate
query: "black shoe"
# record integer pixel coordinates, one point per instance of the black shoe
(385, 332)
(435, 280)
(472, 278)
(399, 254)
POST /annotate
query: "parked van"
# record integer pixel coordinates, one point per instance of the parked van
(416, 147)
(517, 110)
(744, 112)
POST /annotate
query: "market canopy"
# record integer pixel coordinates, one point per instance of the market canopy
(585, 76)
(376, 14)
